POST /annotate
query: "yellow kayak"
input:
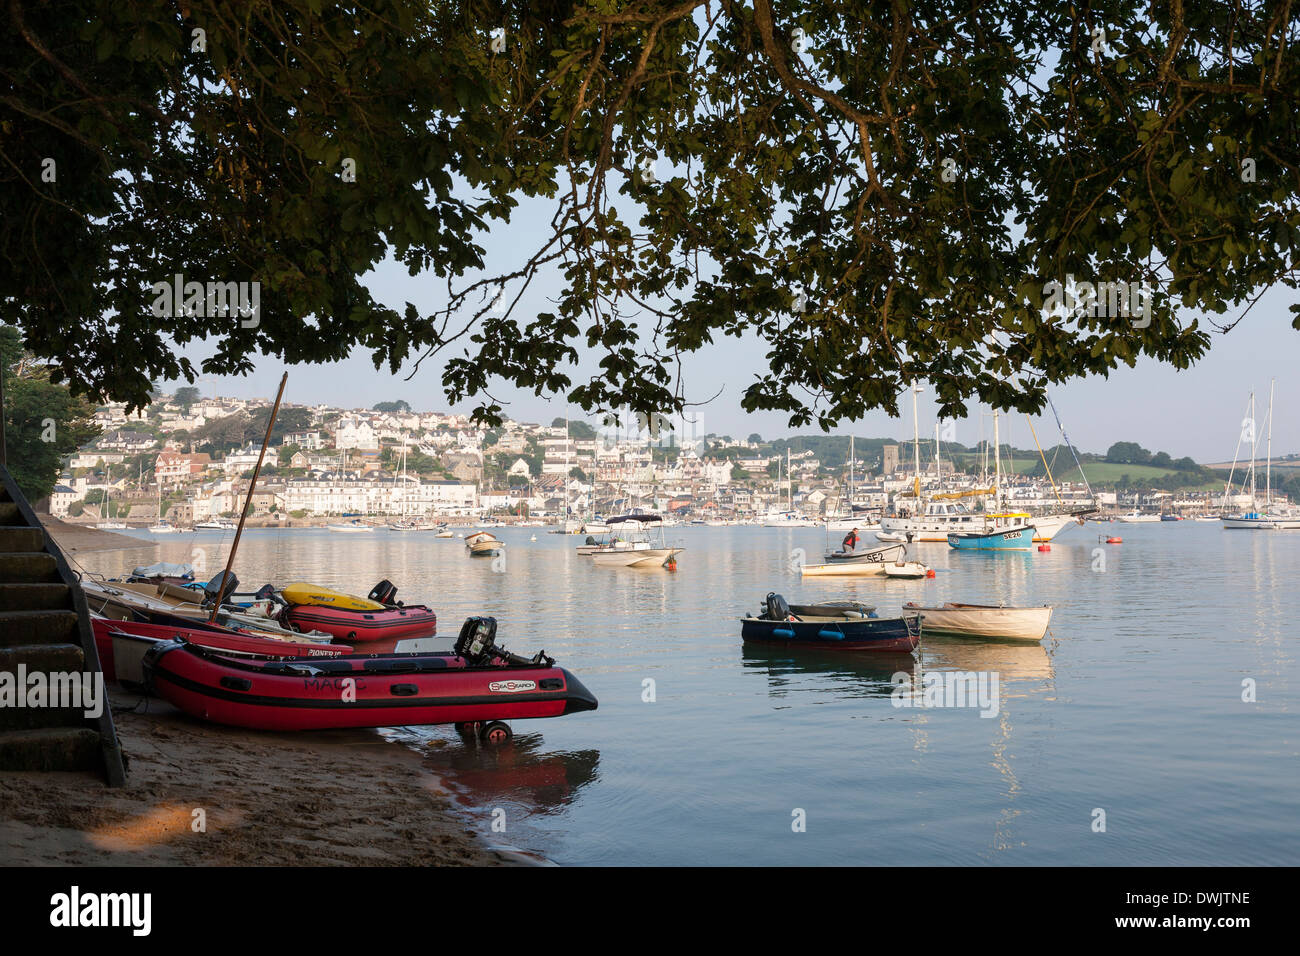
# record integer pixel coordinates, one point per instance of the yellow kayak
(310, 594)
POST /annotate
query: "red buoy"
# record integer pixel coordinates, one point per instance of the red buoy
(929, 572)
(1115, 540)
(1044, 547)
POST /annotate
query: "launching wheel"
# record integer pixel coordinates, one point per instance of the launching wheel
(496, 733)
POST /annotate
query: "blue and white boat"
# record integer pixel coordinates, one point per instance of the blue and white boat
(1007, 539)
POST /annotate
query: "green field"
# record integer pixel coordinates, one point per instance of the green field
(1097, 472)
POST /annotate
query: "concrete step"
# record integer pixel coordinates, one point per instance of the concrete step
(50, 658)
(9, 514)
(37, 627)
(34, 718)
(28, 566)
(22, 539)
(45, 596)
(52, 748)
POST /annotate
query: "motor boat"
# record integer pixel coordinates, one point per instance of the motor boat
(829, 627)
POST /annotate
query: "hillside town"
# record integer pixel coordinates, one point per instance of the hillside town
(186, 460)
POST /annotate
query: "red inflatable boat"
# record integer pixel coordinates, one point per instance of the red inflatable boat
(478, 682)
(228, 642)
(363, 626)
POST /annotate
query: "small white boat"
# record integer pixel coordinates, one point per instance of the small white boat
(1137, 517)
(891, 536)
(111, 526)
(883, 562)
(1207, 518)
(629, 544)
(162, 528)
(352, 527)
(445, 533)
(983, 620)
(219, 524)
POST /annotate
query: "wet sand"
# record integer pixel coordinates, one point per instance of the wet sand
(202, 795)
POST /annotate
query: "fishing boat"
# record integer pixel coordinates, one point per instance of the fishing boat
(123, 644)
(1010, 539)
(483, 544)
(478, 684)
(629, 543)
(829, 627)
(376, 617)
(983, 620)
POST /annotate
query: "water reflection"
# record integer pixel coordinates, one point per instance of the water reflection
(523, 773)
(854, 675)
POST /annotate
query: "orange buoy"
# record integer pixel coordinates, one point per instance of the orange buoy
(672, 564)
(1044, 547)
(929, 572)
(1115, 540)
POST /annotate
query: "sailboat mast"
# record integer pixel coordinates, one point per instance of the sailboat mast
(997, 463)
(916, 450)
(852, 455)
(1254, 445)
(1268, 467)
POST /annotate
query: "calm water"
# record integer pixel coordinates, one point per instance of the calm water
(1132, 704)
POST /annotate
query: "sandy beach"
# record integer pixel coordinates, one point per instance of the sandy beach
(200, 794)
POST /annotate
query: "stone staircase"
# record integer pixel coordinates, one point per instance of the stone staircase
(44, 625)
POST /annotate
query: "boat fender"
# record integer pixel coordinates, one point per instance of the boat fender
(786, 632)
(830, 635)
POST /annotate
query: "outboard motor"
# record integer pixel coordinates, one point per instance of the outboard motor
(385, 592)
(474, 643)
(219, 589)
(777, 609)
(590, 540)
(477, 644)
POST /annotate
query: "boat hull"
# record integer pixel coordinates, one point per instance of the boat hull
(362, 626)
(135, 638)
(1012, 539)
(933, 530)
(1261, 523)
(397, 690)
(880, 635)
(631, 558)
(1009, 623)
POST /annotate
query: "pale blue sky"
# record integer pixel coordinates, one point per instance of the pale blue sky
(1196, 412)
